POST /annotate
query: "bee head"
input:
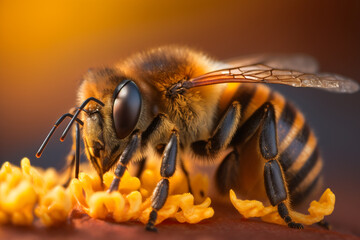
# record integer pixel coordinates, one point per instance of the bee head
(107, 128)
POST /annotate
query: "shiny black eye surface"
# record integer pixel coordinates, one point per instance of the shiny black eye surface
(126, 108)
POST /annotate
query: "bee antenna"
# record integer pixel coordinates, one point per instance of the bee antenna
(57, 123)
(77, 113)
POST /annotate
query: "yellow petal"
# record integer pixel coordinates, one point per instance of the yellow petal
(54, 207)
(317, 209)
(250, 208)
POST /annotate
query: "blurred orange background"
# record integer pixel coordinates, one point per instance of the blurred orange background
(46, 46)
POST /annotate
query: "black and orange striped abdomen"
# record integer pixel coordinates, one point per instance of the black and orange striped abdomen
(298, 152)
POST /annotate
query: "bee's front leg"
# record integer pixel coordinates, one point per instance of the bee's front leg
(141, 167)
(138, 141)
(73, 157)
(130, 150)
(70, 161)
(152, 134)
(161, 191)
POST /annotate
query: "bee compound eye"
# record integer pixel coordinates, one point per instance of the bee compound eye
(126, 108)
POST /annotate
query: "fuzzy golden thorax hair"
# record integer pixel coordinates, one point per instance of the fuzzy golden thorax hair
(160, 68)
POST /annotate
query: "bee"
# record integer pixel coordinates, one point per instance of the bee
(171, 102)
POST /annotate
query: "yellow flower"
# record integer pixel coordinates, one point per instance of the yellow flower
(317, 209)
(27, 192)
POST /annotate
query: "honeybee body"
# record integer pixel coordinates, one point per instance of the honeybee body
(174, 104)
(197, 112)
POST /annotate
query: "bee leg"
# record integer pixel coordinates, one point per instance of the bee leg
(324, 224)
(276, 191)
(125, 158)
(161, 190)
(227, 173)
(71, 161)
(275, 187)
(222, 135)
(73, 157)
(158, 125)
(263, 122)
(186, 173)
(141, 167)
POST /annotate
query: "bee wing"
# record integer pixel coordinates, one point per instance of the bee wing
(298, 62)
(261, 73)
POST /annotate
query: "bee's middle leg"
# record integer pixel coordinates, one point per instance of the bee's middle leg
(220, 140)
(222, 134)
(187, 176)
(167, 169)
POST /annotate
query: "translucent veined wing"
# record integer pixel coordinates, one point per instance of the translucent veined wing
(261, 73)
(298, 62)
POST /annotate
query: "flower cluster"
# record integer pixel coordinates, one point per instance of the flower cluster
(27, 192)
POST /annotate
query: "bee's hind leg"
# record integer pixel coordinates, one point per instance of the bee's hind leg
(227, 173)
(275, 186)
(324, 224)
(263, 122)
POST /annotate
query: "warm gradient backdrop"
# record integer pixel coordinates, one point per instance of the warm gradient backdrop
(46, 46)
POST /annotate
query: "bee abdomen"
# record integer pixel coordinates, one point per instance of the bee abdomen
(299, 154)
(298, 151)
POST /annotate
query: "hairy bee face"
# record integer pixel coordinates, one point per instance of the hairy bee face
(107, 129)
